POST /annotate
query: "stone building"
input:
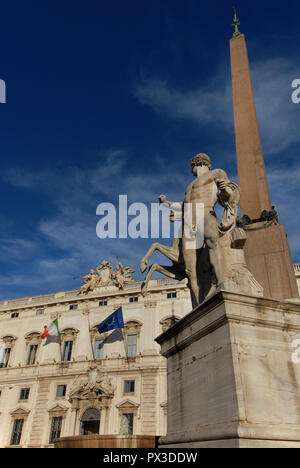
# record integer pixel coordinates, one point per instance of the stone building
(111, 383)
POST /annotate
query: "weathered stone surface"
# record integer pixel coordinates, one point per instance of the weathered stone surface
(231, 378)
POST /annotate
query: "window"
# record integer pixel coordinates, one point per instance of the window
(40, 312)
(127, 424)
(171, 295)
(17, 432)
(102, 303)
(129, 386)
(4, 358)
(67, 351)
(131, 345)
(61, 390)
(24, 394)
(14, 315)
(55, 429)
(98, 348)
(133, 299)
(73, 307)
(31, 354)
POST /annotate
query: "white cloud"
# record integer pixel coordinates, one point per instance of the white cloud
(14, 250)
(69, 246)
(279, 118)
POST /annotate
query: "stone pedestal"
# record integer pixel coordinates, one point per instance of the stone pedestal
(231, 377)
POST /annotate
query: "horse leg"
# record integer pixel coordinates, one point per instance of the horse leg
(169, 271)
(172, 253)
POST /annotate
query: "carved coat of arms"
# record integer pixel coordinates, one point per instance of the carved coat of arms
(94, 385)
(106, 276)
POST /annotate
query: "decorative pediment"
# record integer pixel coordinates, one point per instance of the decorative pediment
(58, 409)
(33, 336)
(127, 404)
(20, 411)
(94, 385)
(133, 326)
(9, 340)
(70, 333)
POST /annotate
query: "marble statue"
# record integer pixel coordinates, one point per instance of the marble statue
(219, 262)
(90, 282)
(106, 276)
(122, 276)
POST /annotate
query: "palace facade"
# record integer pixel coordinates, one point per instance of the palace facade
(110, 383)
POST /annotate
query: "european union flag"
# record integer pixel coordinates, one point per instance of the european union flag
(113, 321)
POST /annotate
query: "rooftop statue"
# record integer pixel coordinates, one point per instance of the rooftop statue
(106, 276)
(122, 275)
(218, 262)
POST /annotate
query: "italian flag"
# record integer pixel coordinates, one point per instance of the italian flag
(51, 332)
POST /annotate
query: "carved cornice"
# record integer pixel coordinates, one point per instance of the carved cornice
(69, 333)
(133, 326)
(9, 340)
(20, 411)
(57, 410)
(128, 405)
(33, 336)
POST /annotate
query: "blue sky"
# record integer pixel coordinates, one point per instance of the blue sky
(109, 98)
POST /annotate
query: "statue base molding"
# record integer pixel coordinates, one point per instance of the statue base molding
(232, 381)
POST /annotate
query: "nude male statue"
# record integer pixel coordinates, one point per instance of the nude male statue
(216, 261)
(209, 188)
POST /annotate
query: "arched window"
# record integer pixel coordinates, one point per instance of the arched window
(90, 422)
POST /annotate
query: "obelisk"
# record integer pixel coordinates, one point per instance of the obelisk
(267, 250)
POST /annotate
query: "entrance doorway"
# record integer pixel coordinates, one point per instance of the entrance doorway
(90, 422)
